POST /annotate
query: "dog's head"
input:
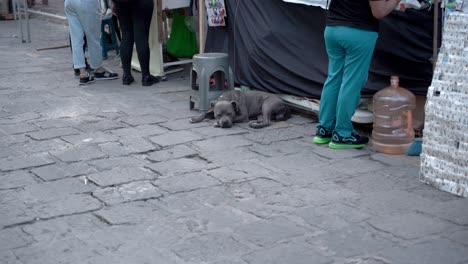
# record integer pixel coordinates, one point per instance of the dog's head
(224, 113)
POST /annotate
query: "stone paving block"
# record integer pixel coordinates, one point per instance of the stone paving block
(140, 131)
(429, 192)
(6, 152)
(15, 213)
(331, 217)
(410, 226)
(270, 206)
(19, 128)
(69, 250)
(131, 252)
(282, 148)
(310, 176)
(322, 194)
(110, 163)
(63, 170)
(175, 152)
(91, 138)
(459, 236)
(210, 131)
(14, 238)
(209, 247)
(392, 202)
(255, 188)
(56, 123)
(221, 143)
(302, 120)
(82, 226)
(212, 219)
(34, 146)
(19, 118)
(372, 182)
(114, 149)
(175, 138)
(7, 257)
(54, 190)
(80, 153)
(351, 241)
(243, 170)
(307, 130)
(431, 252)
(295, 162)
(130, 213)
(16, 179)
(291, 253)
(178, 166)
(17, 163)
(194, 200)
(144, 119)
(394, 160)
(138, 145)
(221, 158)
(52, 133)
(120, 175)
(268, 232)
(102, 125)
(67, 205)
(266, 137)
(358, 166)
(183, 124)
(455, 211)
(134, 191)
(333, 154)
(186, 182)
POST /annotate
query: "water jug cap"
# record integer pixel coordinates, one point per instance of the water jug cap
(394, 81)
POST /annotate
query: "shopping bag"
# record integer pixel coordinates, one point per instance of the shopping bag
(182, 42)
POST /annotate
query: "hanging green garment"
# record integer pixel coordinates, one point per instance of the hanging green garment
(182, 42)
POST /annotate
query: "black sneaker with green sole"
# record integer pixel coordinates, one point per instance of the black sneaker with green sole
(355, 141)
(322, 135)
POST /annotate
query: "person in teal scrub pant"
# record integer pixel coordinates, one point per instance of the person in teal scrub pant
(350, 36)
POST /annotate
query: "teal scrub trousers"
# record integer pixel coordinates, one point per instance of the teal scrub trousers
(349, 52)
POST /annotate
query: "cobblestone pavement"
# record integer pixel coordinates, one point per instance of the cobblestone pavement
(114, 174)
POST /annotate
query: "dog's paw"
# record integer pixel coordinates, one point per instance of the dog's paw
(257, 125)
(216, 125)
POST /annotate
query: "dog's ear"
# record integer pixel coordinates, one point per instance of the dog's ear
(235, 105)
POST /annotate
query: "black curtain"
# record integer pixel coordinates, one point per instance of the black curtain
(279, 47)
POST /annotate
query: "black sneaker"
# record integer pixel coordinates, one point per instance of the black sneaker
(127, 79)
(354, 141)
(148, 80)
(77, 73)
(322, 135)
(105, 75)
(87, 80)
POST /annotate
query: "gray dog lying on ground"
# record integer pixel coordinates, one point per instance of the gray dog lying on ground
(241, 106)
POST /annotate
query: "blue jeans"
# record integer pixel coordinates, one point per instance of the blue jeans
(350, 53)
(84, 19)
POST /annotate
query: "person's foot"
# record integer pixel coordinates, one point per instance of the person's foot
(86, 79)
(104, 74)
(355, 141)
(77, 73)
(322, 135)
(127, 79)
(148, 80)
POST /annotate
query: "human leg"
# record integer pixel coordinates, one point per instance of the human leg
(142, 16)
(359, 45)
(124, 16)
(329, 97)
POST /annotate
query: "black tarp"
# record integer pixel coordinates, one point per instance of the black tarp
(279, 47)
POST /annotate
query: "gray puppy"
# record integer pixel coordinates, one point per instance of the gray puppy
(241, 106)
